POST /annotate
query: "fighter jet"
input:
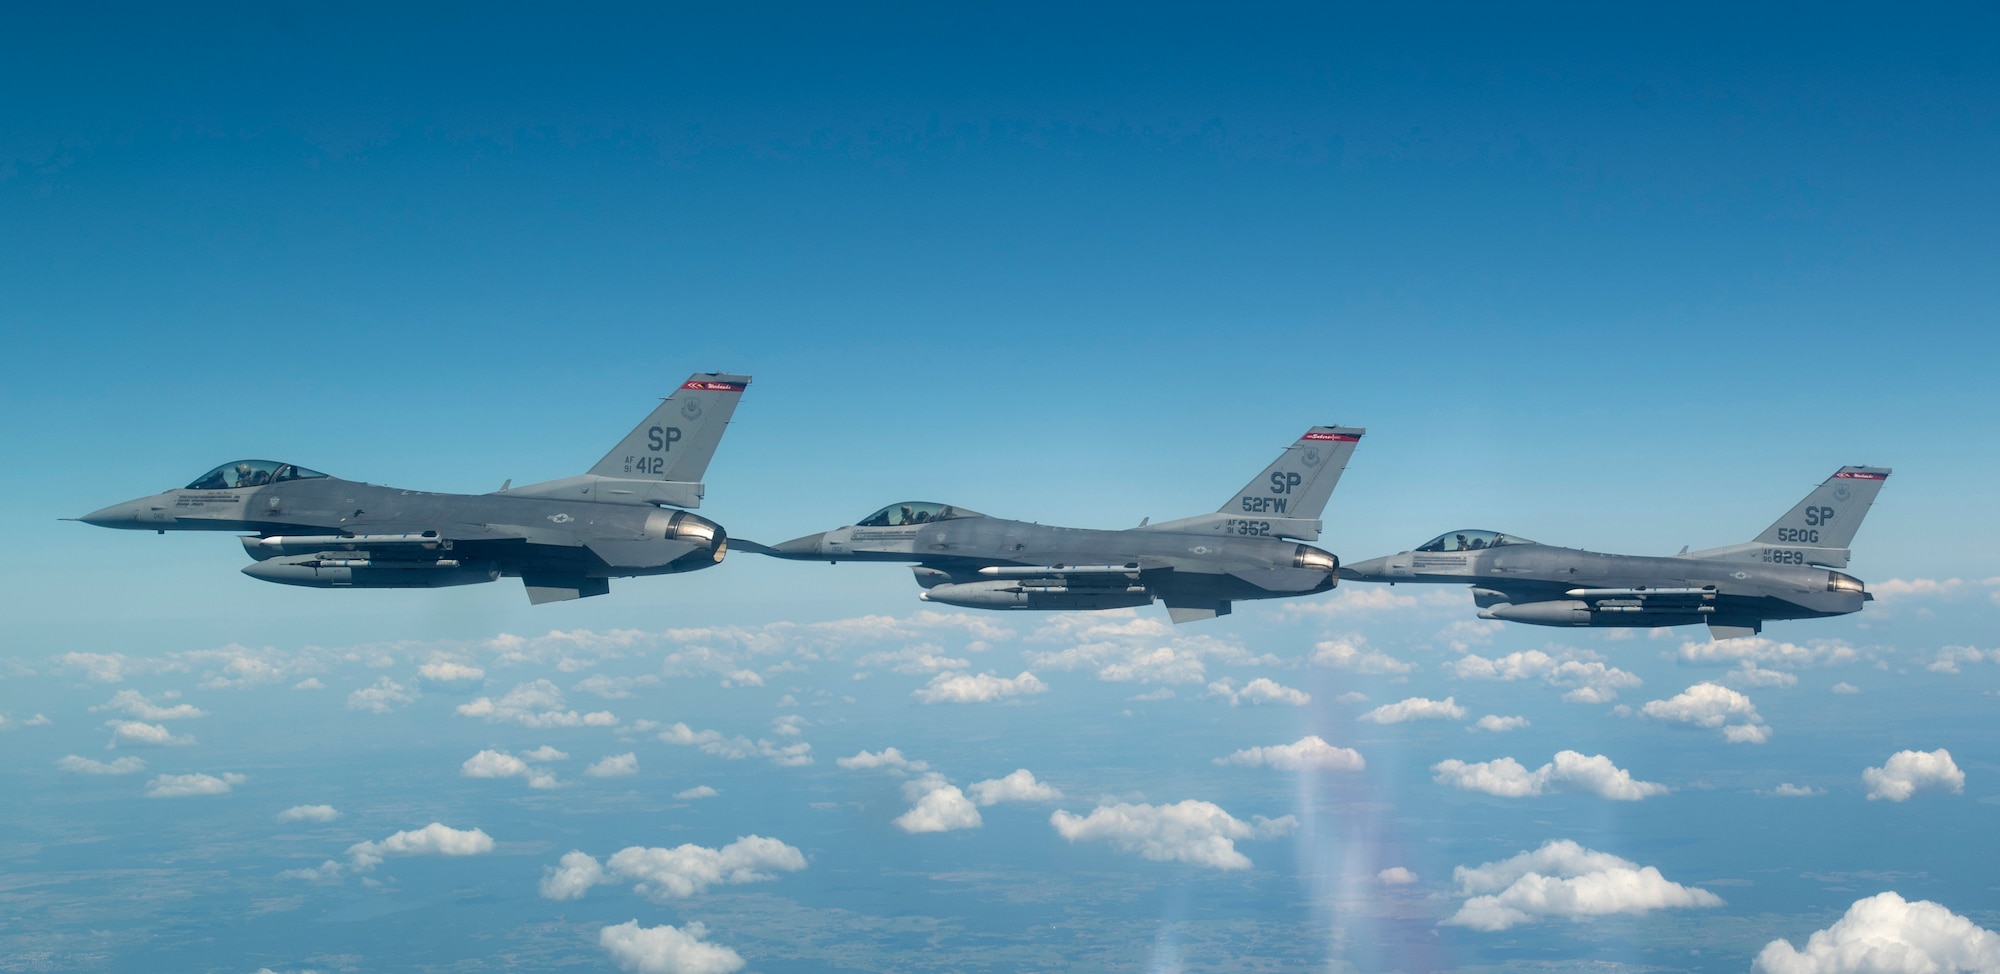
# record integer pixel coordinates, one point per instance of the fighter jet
(1196, 565)
(1784, 573)
(565, 539)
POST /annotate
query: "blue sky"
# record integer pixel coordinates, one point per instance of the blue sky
(1623, 280)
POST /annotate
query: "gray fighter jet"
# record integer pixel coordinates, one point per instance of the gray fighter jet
(565, 539)
(1784, 573)
(1196, 565)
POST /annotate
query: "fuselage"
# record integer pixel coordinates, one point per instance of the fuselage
(988, 562)
(1547, 585)
(425, 538)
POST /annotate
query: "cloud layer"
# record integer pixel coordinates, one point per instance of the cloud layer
(666, 950)
(1415, 708)
(1886, 934)
(1564, 880)
(1713, 705)
(1569, 771)
(1908, 772)
(676, 873)
(1307, 753)
(1190, 831)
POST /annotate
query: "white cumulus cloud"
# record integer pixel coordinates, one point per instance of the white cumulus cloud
(81, 765)
(698, 791)
(913, 660)
(889, 758)
(666, 949)
(190, 785)
(938, 806)
(500, 764)
(1415, 708)
(1396, 876)
(381, 697)
(978, 688)
(1569, 771)
(1766, 651)
(1261, 690)
(448, 671)
(309, 813)
(1498, 724)
(1564, 879)
(1949, 658)
(539, 704)
(135, 704)
(1191, 831)
(144, 734)
(1017, 786)
(1712, 705)
(614, 766)
(1307, 753)
(435, 839)
(676, 873)
(738, 748)
(1886, 934)
(1908, 772)
(1352, 653)
(1586, 676)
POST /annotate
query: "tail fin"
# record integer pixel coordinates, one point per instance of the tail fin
(1830, 515)
(1819, 529)
(1298, 483)
(676, 442)
(661, 461)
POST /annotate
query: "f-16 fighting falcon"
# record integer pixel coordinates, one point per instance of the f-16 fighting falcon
(565, 539)
(1196, 565)
(1784, 573)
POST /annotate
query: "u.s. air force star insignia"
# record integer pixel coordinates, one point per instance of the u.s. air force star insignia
(692, 410)
(1200, 549)
(1311, 457)
(561, 518)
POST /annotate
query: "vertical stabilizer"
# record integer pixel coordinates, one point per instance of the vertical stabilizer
(676, 442)
(1819, 529)
(1298, 483)
(1830, 515)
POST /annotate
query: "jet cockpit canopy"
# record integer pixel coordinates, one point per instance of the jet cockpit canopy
(1470, 540)
(251, 473)
(913, 512)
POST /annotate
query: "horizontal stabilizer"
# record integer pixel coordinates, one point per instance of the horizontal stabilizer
(1734, 629)
(1179, 614)
(561, 588)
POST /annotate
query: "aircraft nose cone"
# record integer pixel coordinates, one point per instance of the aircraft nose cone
(1364, 570)
(126, 515)
(801, 547)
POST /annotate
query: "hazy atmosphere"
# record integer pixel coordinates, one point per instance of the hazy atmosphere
(1620, 281)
